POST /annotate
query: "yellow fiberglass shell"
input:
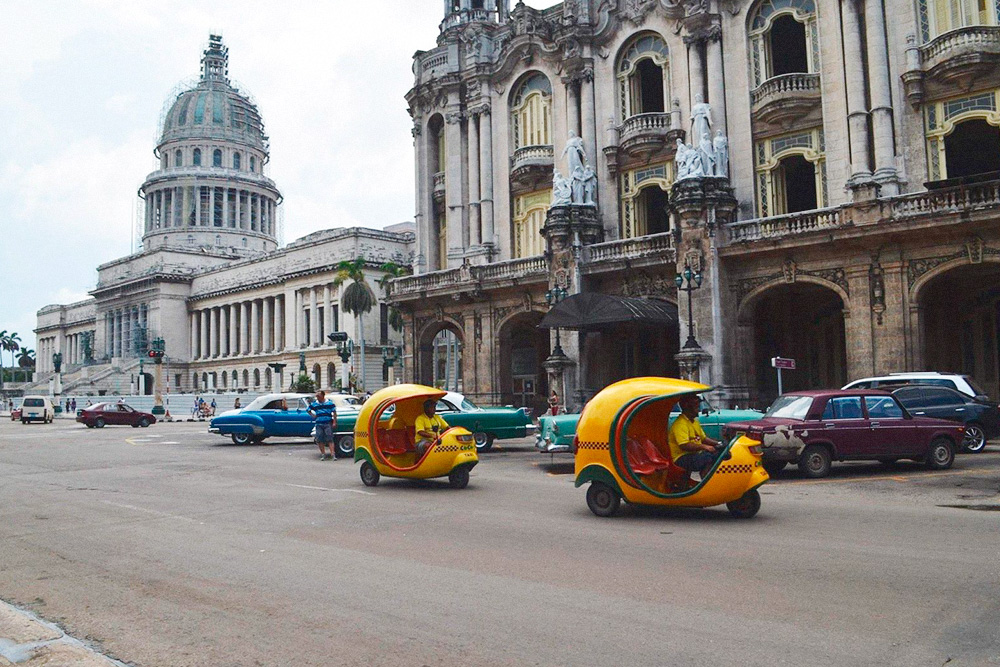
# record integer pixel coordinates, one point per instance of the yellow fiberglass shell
(640, 408)
(405, 402)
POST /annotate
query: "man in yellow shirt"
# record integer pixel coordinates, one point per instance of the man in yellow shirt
(690, 448)
(429, 426)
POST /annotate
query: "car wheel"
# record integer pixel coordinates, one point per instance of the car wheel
(369, 475)
(134, 425)
(484, 441)
(774, 467)
(602, 499)
(345, 446)
(815, 461)
(24, 421)
(941, 454)
(143, 423)
(459, 477)
(747, 506)
(99, 422)
(975, 438)
(242, 438)
(90, 426)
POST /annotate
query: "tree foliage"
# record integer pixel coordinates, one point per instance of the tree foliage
(304, 384)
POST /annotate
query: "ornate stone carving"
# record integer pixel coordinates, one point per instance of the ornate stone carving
(788, 269)
(974, 247)
(876, 286)
(704, 156)
(789, 273)
(642, 284)
(918, 267)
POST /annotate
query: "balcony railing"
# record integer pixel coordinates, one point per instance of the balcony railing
(644, 128)
(785, 225)
(972, 39)
(439, 185)
(785, 84)
(785, 97)
(637, 248)
(531, 156)
(961, 199)
(470, 276)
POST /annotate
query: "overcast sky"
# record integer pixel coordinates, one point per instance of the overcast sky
(83, 84)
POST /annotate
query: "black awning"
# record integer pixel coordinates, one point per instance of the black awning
(593, 311)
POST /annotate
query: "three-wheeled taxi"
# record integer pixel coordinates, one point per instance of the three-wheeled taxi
(384, 439)
(622, 451)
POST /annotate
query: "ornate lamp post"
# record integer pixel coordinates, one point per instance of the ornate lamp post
(689, 281)
(390, 355)
(57, 379)
(277, 375)
(345, 348)
(157, 348)
(553, 297)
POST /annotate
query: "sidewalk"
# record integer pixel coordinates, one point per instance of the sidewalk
(28, 641)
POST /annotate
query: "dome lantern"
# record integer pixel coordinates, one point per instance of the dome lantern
(215, 60)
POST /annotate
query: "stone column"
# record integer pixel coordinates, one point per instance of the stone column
(256, 210)
(279, 323)
(254, 326)
(327, 311)
(234, 338)
(475, 231)
(486, 176)
(572, 104)
(194, 334)
(313, 318)
(225, 207)
(203, 318)
(696, 72)
(589, 116)
(422, 214)
(716, 82)
(881, 98)
(857, 117)
(266, 324)
(453, 168)
(244, 330)
(300, 320)
(289, 301)
(197, 206)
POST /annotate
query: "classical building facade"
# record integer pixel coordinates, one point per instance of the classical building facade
(211, 280)
(856, 226)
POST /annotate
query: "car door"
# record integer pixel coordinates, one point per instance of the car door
(844, 425)
(296, 421)
(111, 415)
(892, 434)
(943, 403)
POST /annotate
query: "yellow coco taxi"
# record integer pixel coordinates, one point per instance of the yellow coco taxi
(621, 450)
(384, 439)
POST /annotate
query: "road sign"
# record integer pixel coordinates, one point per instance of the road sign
(781, 362)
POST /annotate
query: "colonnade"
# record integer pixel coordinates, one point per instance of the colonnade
(289, 321)
(125, 331)
(210, 206)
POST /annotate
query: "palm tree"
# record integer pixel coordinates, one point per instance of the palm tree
(392, 270)
(8, 343)
(358, 298)
(26, 360)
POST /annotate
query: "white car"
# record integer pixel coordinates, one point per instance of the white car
(962, 383)
(37, 408)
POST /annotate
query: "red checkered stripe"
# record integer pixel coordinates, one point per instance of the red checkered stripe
(584, 444)
(362, 434)
(735, 468)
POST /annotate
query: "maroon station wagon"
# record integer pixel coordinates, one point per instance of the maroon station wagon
(815, 428)
(113, 414)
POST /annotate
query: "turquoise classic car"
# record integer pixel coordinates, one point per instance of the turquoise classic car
(486, 424)
(555, 434)
(286, 416)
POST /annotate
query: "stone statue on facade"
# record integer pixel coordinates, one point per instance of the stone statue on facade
(705, 156)
(574, 153)
(589, 186)
(562, 189)
(580, 187)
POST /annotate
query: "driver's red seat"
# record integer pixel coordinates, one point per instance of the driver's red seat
(393, 441)
(677, 478)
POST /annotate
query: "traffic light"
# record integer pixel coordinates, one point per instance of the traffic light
(153, 354)
(338, 337)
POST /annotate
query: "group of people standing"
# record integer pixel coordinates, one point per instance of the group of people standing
(203, 409)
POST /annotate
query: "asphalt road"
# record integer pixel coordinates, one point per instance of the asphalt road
(167, 546)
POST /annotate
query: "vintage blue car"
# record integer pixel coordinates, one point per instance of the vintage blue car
(286, 416)
(555, 434)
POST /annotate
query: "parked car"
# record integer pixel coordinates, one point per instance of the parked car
(37, 408)
(341, 401)
(555, 434)
(982, 421)
(485, 424)
(815, 428)
(283, 415)
(962, 383)
(15, 414)
(113, 414)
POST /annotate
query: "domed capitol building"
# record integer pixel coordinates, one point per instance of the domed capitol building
(211, 279)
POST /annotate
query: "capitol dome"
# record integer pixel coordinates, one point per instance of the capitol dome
(211, 192)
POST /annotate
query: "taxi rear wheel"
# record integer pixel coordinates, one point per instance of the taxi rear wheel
(369, 475)
(459, 477)
(345, 446)
(603, 500)
(484, 441)
(747, 506)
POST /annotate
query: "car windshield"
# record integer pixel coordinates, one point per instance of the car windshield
(790, 407)
(975, 387)
(468, 405)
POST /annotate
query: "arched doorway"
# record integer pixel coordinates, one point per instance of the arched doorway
(960, 323)
(803, 321)
(523, 349)
(972, 148)
(441, 356)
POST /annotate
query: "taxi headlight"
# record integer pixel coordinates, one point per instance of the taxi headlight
(464, 438)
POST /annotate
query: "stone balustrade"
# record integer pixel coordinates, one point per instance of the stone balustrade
(784, 84)
(785, 225)
(971, 39)
(532, 268)
(786, 97)
(631, 249)
(531, 156)
(640, 130)
(439, 185)
(961, 199)
(515, 268)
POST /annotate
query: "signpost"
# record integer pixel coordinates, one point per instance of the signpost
(780, 364)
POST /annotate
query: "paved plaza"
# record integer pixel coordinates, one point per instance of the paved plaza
(170, 546)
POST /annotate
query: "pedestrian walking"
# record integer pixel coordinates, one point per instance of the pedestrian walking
(325, 414)
(554, 403)
(196, 407)
(213, 407)
(73, 407)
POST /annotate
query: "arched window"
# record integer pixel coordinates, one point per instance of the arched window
(217, 158)
(178, 158)
(331, 373)
(644, 198)
(531, 112)
(218, 240)
(783, 39)
(267, 377)
(529, 218)
(256, 377)
(244, 242)
(317, 376)
(236, 380)
(940, 16)
(963, 138)
(643, 76)
(253, 163)
(791, 173)
(194, 381)
(190, 240)
(246, 378)
(196, 157)
(236, 160)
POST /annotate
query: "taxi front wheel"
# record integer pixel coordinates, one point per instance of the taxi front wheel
(369, 475)
(602, 499)
(747, 506)
(459, 477)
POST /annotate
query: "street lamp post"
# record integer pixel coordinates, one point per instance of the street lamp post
(345, 347)
(689, 281)
(277, 375)
(156, 351)
(553, 297)
(57, 359)
(390, 355)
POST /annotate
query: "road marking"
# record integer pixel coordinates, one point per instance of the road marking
(323, 488)
(165, 515)
(895, 478)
